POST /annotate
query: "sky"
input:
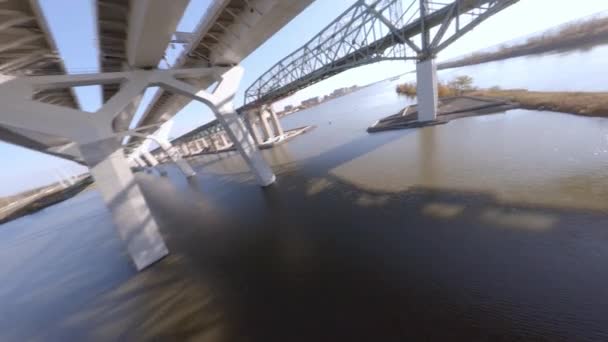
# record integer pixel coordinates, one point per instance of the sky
(72, 24)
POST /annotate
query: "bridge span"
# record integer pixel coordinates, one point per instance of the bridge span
(371, 31)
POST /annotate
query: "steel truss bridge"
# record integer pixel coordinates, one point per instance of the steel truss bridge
(371, 31)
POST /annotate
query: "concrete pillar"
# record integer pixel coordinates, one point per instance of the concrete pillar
(265, 125)
(216, 143)
(185, 150)
(426, 89)
(174, 154)
(244, 143)
(220, 102)
(140, 161)
(193, 147)
(134, 222)
(205, 143)
(149, 157)
(137, 161)
(225, 141)
(276, 124)
(249, 120)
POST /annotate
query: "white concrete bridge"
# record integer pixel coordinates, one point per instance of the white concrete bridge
(40, 111)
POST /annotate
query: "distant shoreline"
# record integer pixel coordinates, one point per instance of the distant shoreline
(592, 104)
(576, 36)
(41, 198)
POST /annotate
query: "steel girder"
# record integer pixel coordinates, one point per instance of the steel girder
(371, 31)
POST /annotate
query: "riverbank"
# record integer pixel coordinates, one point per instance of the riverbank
(579, 103)
(580, 35)
(43, 198)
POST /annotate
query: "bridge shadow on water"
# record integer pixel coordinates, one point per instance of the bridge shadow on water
(317, 258)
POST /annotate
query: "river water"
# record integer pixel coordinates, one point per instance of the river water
(485, 228)
(536, 157)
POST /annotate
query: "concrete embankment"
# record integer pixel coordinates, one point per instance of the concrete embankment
(450, 108)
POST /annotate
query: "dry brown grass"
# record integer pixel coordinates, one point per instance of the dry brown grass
(409, 90)
(445, 91)
(581, 103)
(576, 35)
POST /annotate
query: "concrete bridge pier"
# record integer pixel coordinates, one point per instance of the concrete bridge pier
(204, 143)
(174, 155)
(169, 152)
(149, 158)
(249, 119)
(221, 103)
(224, 140)
(274, 120)
(265, 124)
(426, 89)
(186, 150)
(199, 146)
(120, 192)
(216, 143)
(139, 161)
(268, 122)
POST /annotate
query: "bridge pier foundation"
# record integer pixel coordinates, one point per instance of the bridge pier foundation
(225, 141)
(216, 143)
(249, 119)
(276, 124)
(263, 117)
(174, 155)
(169, 152)
(220, 102)
(426, 89)
(149, 157)
(199, 145)
(119, 190)
(139, 161)
(186, 150)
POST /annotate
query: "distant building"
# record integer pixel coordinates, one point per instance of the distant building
(339, 92)
(310, 102)
(288, 108)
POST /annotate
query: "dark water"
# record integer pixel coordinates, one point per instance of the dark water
(484, 229)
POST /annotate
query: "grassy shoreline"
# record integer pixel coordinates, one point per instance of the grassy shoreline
(578, 35)
(579, 103)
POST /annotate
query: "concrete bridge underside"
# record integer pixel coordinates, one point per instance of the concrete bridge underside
(133, 37)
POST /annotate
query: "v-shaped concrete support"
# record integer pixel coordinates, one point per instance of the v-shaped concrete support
(100, 147)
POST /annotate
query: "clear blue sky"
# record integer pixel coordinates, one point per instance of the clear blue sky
(73, 25)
